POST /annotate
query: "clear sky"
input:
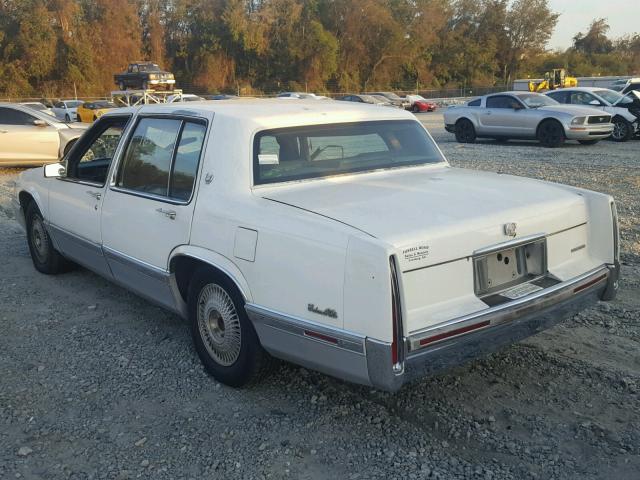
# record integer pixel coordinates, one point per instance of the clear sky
(577, 15)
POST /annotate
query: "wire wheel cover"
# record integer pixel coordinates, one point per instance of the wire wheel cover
(219, 325)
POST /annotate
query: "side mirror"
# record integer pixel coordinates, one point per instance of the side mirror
(54, 170)
(40, 123)
(594, 102)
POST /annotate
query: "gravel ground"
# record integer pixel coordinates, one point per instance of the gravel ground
(97, 383)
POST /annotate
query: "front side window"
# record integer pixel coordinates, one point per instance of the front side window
(89, 161)
(536, 100)
(474, 103)
(162, 158)
(503, 101)
(11, 116)
(316, 151)
(583, 98)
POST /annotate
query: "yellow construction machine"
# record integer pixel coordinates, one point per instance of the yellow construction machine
(556, 78)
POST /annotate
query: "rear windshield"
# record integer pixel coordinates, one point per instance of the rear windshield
(316, 151)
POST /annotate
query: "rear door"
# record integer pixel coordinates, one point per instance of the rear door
(148, 209)
(23, 141)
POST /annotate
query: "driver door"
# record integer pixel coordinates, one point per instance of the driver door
(75, 200)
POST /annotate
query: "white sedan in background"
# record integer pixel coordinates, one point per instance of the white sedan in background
(620, 107)
(66, 110)
(30, 137)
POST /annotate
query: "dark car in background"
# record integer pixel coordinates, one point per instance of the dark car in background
(361, 98)
(143, 76)
(393, 98)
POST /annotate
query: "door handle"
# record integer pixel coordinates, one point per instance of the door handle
(167, 213)
(96, 195)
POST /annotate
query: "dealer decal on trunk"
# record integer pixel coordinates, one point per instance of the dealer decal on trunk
(414, 254)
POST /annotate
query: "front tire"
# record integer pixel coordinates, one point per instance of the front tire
(45, 257)
(551, 134)
(222, 333)
(67, 118)
(465, 131)
(622, 130)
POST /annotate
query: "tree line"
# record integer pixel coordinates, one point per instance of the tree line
(56, 47)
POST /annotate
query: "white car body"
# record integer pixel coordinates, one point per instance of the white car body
(30, 137)
(66, 110)
(366, 276)
(593, 97)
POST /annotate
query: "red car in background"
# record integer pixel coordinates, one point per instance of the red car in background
(420, 104)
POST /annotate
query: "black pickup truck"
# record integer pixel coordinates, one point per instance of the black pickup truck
(144, 75)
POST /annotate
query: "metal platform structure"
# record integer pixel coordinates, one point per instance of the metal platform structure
(132, 98)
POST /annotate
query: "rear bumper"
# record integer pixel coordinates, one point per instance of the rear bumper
(489, 330)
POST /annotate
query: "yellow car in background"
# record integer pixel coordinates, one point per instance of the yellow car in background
(90, 111)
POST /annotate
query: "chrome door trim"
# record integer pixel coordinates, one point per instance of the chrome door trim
(138, 265)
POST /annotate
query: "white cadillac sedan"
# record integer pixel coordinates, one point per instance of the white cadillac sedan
(328, 234)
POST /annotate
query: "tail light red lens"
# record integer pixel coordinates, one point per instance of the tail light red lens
(397, 344)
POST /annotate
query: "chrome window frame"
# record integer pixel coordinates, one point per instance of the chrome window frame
(116, 152)
(165, 116)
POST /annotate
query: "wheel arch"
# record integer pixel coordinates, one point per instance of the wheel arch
(25, 197)
(186, 259)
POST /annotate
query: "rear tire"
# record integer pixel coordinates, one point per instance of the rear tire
(588, 142)
(415, 109)
(622, 130)
(45, 257)
(222, 333)
(465, 131)
(551, 134)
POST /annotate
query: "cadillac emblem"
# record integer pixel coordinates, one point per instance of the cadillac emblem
(510, 229)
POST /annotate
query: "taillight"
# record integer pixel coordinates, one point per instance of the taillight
(397, 344)
(616, 232)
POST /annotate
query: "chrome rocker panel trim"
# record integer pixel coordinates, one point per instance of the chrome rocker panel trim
(288, 338)
(508, 323)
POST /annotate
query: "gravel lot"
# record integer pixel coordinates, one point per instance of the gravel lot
(97, 383)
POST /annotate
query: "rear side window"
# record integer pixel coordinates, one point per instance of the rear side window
(10, 116)
(162, 158)
(502, 101)
(560, 97)
(474, 103)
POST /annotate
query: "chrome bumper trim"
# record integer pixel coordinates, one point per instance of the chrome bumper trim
(508, 323)
(509, 311)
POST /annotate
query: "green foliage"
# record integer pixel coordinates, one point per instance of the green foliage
(48, 47)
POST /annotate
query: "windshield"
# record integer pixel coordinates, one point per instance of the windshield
(73, 103)
(104, 104)
(36, 106)
(609, 95)
(317, 151)
(535, 100)
(148, 67)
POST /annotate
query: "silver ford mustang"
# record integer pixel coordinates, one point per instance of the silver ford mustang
(525, 115)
